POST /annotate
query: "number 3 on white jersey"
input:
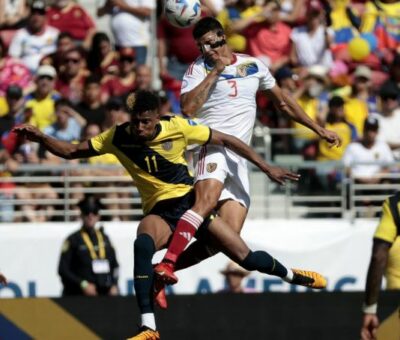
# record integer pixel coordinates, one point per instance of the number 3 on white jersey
(233, 85)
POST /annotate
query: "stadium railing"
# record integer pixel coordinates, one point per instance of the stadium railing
(345, 198)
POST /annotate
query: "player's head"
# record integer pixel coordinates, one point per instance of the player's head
(90, 207)
(143, 107)
(210, 37)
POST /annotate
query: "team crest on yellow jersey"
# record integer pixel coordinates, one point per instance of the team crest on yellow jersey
(211, 167)
(167, 145)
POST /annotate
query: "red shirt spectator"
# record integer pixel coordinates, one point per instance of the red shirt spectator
(273, 41)
(180, 41)
(71, 18)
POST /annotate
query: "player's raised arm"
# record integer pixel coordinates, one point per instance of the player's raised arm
(57, 147)
(284, 103)
(275, 173)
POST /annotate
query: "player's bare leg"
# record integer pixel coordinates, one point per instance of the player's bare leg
(223, 238)
(152, 235)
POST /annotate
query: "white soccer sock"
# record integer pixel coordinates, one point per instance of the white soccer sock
(149, 320)
(289, 276)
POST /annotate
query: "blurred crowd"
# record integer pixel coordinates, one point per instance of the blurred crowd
(339, 59)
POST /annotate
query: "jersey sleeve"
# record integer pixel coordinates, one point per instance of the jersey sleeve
(102, 143)
(267, 81)
(194, 75)
(193, 132)
(386, 229)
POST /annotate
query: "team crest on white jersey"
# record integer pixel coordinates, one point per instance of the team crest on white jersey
(246, 69)
(211, 167)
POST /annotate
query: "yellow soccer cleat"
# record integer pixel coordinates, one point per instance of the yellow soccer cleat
(146, 333)
(308, 279)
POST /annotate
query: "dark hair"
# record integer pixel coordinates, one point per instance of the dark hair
(94, 56)
(63, 35)
(142, 101)
(92, 79)
(336, 101)
(75, 49)
(90, 204)
(62, 102)
(114, 103)
(205, 25)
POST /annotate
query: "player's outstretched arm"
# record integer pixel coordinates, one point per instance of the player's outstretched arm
(376, 269)
(276, 174)
(289, 106)
(57, 147)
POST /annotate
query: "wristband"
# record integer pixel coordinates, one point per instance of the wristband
(371, 309)
(84, 284)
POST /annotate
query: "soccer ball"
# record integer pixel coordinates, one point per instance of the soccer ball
(182, 13)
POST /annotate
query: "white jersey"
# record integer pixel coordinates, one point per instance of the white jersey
(31, 48)
(231, 103)
(356, 152)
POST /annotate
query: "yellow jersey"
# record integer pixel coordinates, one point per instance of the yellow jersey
(158, 167)
(387, 231)
(325, 151)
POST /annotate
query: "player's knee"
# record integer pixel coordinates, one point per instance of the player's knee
(144, 246)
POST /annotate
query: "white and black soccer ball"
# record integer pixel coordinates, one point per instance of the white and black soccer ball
(182, 13)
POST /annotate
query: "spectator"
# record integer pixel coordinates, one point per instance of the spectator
(102, 59)
(356, 106)
(313, 99)
(123, 83)
(381, 17)
(394, 73)
(311, 42)
(88, 264)
(234, 275)
(176, 49)
(64, 44)
(270, 39)
(72, 75)
(91, 107)
(335, 121)
(12, 72)
(15, 103)
(143, 78)
(12, 14)
(115, 114)
(384, 261)
(68, 124)
(389, 120)
(35, 41)
(68, 16)
(130, 23)
(42, 100)
(292, 11)
(368, 149)
(236, 18)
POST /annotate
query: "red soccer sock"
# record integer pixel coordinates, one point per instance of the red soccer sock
(185, 229)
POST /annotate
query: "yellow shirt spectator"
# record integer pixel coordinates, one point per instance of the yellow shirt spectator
(327, 153)
(236, 41)
(43, 111)
(3, 106)
(355, 112)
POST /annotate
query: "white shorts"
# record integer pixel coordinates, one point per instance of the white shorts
(215, 162)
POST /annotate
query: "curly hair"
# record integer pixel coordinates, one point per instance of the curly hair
(142, 101)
